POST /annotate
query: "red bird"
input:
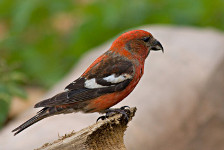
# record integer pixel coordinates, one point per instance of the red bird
(107, 81)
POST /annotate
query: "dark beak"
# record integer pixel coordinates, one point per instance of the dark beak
(156, 46)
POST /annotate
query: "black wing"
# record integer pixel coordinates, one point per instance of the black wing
(77, 91)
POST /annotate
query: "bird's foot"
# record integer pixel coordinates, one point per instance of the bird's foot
(112, 111)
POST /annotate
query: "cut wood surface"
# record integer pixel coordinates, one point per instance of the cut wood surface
(105, 134)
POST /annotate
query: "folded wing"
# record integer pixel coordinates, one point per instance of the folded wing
(103, 78)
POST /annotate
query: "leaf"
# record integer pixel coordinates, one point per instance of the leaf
(5, 101)
(16, 90)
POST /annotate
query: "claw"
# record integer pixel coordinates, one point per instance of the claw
(111, 112)
(123, 107)
(124, 114)
(101, 117)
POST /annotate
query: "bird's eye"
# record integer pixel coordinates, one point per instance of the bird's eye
(146, 39)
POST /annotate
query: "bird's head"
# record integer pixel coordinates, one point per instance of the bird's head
(138, 42)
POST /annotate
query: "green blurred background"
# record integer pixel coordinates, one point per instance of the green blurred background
(40, 40)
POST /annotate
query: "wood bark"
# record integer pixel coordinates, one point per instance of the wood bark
(105, 134)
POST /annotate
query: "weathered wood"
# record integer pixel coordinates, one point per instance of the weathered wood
(105, 134)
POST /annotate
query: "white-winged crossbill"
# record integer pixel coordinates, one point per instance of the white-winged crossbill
(107, 81)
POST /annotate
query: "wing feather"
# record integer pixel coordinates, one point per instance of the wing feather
(113, 76)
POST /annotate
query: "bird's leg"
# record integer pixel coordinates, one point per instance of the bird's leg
(112, 111)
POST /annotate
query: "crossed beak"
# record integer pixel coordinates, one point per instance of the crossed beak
(156, 46)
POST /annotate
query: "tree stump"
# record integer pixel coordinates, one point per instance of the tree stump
(105, 134)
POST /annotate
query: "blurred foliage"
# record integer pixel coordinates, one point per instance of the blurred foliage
(10, 85)
(46, 37)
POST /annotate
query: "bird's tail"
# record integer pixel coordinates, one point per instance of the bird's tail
(45, 112)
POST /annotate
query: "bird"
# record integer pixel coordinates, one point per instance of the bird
(107, 81)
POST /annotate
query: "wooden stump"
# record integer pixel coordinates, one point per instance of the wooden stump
(105, 134)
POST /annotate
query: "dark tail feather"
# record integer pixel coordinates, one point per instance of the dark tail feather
(40, 115)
